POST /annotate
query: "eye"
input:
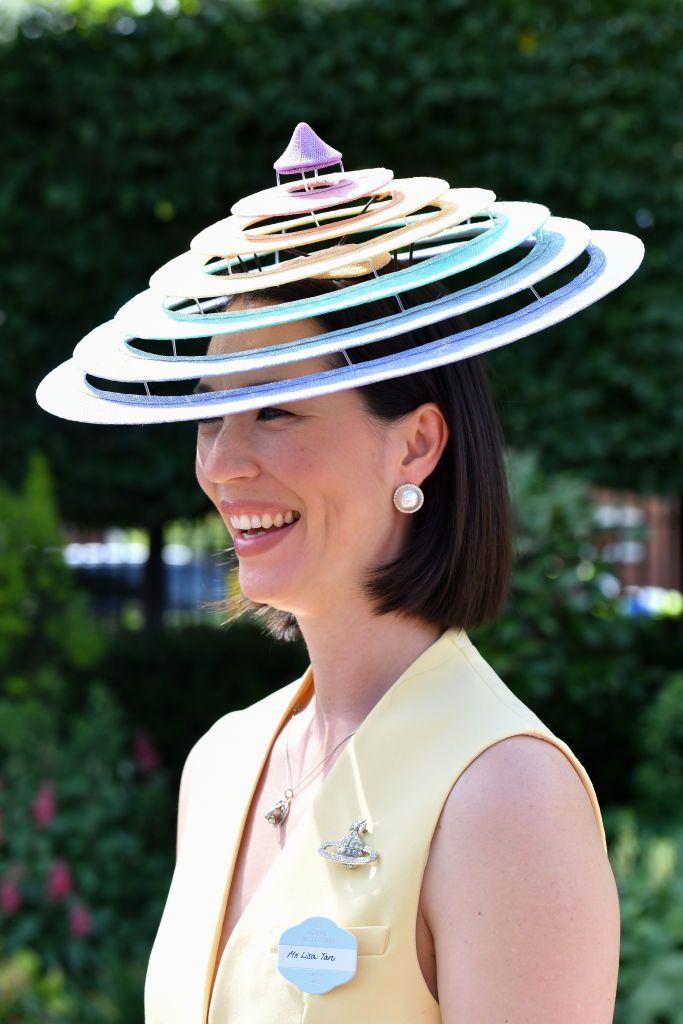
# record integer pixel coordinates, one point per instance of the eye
(267, 413)
(271, 413)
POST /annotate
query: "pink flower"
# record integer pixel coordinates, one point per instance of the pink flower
(45, 805)
(80, 921)
(146, 754)
(10, 893)
(59, 881)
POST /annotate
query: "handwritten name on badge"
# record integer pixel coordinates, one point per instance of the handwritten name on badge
(317, 955)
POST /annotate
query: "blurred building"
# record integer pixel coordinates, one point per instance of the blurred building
(641, 536)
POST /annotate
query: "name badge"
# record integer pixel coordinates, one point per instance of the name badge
(317, 955)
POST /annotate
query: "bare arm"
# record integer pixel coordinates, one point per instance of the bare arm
(519, 894)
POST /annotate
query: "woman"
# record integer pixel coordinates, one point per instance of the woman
(334, 463)
(395, 834)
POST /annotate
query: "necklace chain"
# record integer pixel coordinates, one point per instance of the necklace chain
(281, 809)
(289, 793)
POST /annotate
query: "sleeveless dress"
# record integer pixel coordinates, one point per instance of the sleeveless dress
(396, 772)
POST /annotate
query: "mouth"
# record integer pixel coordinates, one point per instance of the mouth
(261, 526)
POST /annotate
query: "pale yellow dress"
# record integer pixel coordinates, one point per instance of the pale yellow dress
(396, 772)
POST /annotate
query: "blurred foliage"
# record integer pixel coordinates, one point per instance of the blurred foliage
(87, 849)
(34, 17)
(44, 622)
(659, 777)
(648, 867)
(563, 647)
(228, 669)
(30, 992)
(86, 855)
(125, 134)
(86, 808)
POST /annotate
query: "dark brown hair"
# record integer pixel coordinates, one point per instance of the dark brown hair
(454, 570)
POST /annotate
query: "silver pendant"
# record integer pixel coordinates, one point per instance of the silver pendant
(277, 814)
(350, 851)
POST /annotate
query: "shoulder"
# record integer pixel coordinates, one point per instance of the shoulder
(521, 794)
(262, 714)
(511, 773)
(519, 891)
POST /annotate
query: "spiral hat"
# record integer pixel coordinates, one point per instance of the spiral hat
(375, 237)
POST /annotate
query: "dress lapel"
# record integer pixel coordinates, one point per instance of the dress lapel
(223, 780)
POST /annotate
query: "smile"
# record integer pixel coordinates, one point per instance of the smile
(255, 526)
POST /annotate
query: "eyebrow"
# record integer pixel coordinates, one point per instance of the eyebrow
(201, 388)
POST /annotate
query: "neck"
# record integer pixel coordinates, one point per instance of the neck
(355, 659)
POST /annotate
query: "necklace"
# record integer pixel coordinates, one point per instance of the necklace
(279, 811)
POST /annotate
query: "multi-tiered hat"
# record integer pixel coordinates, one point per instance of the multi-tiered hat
(346, 225)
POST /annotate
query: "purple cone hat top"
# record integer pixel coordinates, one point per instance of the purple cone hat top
(357, 237)
(306, 152)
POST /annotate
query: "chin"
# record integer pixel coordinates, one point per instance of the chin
(266, 592)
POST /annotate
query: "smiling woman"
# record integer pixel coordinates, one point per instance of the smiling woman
(395, 836)
(440, 575)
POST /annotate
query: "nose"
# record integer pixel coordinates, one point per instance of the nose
(227, 453)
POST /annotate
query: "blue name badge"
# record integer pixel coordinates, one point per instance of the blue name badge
(317, 955)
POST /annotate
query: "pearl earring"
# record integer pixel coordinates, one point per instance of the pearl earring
(408, 498)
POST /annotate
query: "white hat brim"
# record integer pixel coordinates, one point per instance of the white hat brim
(613, 258)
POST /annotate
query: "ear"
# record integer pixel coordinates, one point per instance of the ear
(425, 433)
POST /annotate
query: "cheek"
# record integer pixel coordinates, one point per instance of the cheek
(203, 481)
(364, 496)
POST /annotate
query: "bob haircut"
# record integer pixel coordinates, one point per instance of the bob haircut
(454, 571)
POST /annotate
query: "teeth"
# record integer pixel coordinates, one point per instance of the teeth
(264, 522)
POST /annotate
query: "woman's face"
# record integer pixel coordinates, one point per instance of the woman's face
(313, 480)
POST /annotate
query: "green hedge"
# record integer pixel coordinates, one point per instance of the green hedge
(648, 867)
(177, 684)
